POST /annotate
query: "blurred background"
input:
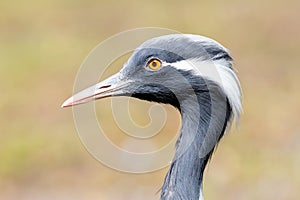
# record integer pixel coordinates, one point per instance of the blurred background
(43, 43)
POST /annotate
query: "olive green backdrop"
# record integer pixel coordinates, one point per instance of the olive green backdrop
(42, 44)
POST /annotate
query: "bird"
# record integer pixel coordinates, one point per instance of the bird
(194, 74)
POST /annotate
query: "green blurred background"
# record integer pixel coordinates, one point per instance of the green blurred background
(42, 44)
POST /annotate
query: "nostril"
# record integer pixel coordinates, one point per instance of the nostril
(104, 86)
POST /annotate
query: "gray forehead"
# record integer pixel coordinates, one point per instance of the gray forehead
(176, 47)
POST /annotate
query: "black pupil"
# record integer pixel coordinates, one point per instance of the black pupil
(154, 63)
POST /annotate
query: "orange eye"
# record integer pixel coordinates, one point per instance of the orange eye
(154, 64)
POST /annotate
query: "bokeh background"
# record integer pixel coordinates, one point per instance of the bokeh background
(43, 43)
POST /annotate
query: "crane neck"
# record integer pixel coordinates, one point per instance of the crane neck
(202, 127)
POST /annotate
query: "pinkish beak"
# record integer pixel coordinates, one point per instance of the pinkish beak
(112, 86)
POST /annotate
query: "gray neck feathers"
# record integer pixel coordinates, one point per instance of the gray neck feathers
(204, 119)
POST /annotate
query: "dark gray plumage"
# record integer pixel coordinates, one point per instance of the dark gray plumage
(197, 78)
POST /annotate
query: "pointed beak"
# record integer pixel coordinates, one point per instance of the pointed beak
(112, 86)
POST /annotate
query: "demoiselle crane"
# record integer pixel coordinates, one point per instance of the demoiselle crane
(195, 75)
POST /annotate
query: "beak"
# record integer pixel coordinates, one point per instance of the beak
(112, 86)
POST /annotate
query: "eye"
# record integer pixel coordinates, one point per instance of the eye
(154, 64)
